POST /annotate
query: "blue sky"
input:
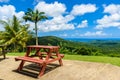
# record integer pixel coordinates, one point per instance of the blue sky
(69, 18)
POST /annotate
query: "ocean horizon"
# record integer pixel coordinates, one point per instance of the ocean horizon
(92, 39)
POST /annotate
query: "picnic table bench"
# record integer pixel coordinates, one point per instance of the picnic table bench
(49, 54)
(3, 51)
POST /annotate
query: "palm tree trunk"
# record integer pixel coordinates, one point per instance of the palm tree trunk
(36, 33)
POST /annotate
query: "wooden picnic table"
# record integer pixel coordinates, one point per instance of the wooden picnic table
(3, 51)
(45, 54)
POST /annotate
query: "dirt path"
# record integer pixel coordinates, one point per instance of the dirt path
(72, 70)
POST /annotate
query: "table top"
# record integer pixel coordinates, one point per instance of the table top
(42, 46)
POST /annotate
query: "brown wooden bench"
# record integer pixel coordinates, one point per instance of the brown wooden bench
(34, 60)
(29, 59)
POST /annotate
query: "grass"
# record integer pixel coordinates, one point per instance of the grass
(101, 59)
(16, 54)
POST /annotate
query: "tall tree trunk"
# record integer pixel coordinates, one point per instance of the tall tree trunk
(36, 33)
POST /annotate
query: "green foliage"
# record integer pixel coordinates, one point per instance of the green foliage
(83, 51)
(67, 47)
(114, 55)
(15, 35)
(63, 49)
(96, 48)
(109, 48)
(53, 40)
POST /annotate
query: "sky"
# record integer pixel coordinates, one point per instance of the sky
(69, 18)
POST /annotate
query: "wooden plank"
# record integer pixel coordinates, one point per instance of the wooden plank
(29, 59)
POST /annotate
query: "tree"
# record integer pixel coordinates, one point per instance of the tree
(34, 16)
(15, 35)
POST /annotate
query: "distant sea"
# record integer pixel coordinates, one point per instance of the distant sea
(92, 39)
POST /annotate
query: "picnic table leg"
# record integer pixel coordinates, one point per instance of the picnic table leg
(60, 62)
(60, 58)
(4, 56)
(21, 65)
(3, 52)
(42, 69)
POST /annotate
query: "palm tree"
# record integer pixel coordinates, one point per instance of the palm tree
(15, 34)
(34, 16)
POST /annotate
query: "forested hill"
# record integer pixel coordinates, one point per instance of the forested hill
(67, 47)
(45, 40)
(53, 40)
(108, 48)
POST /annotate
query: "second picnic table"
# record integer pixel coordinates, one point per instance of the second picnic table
(46, 54)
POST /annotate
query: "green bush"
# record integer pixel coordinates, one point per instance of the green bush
(114, 55)
(83, 51)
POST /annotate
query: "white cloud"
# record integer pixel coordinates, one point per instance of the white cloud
(52, 10)
(112, 8)
(58, 21)
(55, 24)
(111, 20)
(19, 14)
(83, 8)
(7, 12)
(94, 34)
(4, 0)
(83, 24)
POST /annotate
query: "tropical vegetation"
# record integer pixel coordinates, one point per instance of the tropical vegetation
(94, 48)
(15, 35)
(34, 16)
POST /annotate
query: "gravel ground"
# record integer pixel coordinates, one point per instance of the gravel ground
(71, 70)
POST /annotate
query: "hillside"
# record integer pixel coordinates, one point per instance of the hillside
(66, 46)
(53, 40)
(108, 48)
